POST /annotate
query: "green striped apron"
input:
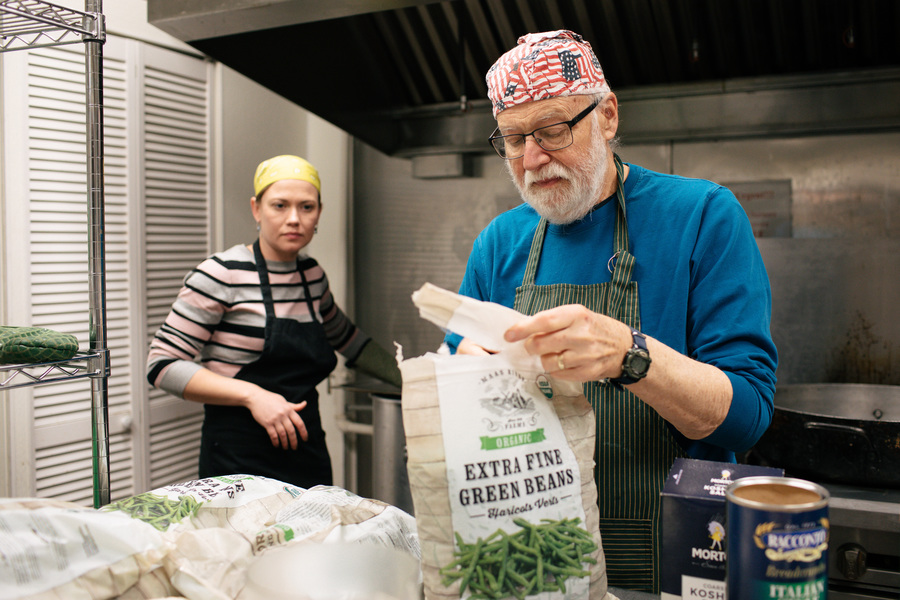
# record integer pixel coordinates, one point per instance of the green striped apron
(634, 448)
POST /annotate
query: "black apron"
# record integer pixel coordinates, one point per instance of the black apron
(295, 358)
(634, 448)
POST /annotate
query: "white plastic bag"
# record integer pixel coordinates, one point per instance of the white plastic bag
(54, 550)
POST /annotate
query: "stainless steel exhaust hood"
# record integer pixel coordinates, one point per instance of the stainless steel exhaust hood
(406, 76)
(190, 20)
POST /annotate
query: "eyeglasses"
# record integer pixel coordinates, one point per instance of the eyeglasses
(550, 138)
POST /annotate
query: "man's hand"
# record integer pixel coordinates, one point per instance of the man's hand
(578, 344)
(466, 346)
(574, 343)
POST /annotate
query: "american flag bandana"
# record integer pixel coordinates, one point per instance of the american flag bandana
(544, 65)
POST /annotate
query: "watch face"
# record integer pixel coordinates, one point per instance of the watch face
(637, 364)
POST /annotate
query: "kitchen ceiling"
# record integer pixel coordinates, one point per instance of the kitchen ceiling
(374, 68)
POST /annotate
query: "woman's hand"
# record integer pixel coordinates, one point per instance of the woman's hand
(277, 416)
(280, 418)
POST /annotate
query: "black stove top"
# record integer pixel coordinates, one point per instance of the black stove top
(845, 495)
(864, 544)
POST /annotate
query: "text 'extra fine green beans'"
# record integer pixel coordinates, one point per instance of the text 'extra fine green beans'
(158, 511)
(537, 558)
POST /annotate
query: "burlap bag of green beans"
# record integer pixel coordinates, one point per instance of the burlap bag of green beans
(500, 463)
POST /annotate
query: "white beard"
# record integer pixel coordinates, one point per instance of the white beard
(577, 195)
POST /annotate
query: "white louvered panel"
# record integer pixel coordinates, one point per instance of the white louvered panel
(121, 472)
(58, 221)
(176, 233)
(63, 402)
(177, 191)
(66, 471)
(172, 124)
(59, 265)
(156, 398)
(176, 449)
(119, 320)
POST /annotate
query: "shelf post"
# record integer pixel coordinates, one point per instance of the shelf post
(93, 52)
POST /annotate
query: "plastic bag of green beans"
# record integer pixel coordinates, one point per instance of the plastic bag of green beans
(240, 503)
(500, 463)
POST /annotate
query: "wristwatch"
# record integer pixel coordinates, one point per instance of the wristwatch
(637, 361)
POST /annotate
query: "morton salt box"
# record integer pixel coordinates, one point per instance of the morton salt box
(693, 527)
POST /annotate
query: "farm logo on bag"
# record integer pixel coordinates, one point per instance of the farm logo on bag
(508, 406)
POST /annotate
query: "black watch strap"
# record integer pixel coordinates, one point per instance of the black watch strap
(636, 362)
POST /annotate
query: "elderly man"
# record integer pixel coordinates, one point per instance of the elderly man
(647, 287)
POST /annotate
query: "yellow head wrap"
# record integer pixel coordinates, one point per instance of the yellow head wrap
(281, 167)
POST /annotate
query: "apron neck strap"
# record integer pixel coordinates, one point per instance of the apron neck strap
(621, 264)
(263, 271)
(266, 287)
(621, 237)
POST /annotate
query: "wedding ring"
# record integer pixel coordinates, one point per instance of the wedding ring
(559, 362)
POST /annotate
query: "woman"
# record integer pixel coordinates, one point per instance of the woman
(266, 327)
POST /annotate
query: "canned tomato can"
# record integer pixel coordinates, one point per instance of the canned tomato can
(777, 531)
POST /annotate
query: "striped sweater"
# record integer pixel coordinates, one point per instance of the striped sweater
(219, 315)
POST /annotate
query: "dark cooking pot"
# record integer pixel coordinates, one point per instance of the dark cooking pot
(834, 432)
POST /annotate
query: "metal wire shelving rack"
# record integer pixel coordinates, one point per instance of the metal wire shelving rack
(26, 24)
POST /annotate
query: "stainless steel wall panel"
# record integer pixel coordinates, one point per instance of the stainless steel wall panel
(835, 283)
(410, 231)
(834, 309)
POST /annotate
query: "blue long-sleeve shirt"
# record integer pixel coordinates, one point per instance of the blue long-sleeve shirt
(702, 284)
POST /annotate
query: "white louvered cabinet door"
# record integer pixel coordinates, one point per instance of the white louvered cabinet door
(176, 225)
(157, 197)
(57, 251)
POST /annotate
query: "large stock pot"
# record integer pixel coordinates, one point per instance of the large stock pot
(840, 433)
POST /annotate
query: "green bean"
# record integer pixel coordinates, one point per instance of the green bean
(158, 511)
(538, 557)
(539, 576)
(519, 579)
(471, 569)
(504, 556)
(522, 547)
(566, 558)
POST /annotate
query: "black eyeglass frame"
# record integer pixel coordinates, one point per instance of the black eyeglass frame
(571, 123)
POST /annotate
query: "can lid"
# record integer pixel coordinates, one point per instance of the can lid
(780, 494)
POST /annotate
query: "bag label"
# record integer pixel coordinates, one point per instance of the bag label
(507, 453)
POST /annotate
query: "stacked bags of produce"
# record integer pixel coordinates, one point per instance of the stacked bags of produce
(193, 540)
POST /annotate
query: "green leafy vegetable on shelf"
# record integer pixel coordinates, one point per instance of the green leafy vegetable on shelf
(159, 511)
(537, 558)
